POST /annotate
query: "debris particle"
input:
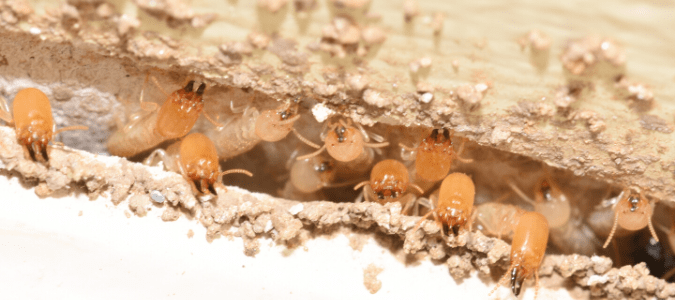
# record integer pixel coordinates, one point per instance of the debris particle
(655, 123)
(350, 4)
(580, 55)
(175, 13)
(370, 278)
(535, 40)
(373, 97)
(593, 120)
(79, 214)
(126, 23)
(437, 23)
(373, 35)
(295, 209)
(422, 63)
(357, 82)
(190, 234)
(157, 196)
(258, 40)
(272, 6)
(471, 95)
(105, 10)
(411, 9)
(341, 30)
(304, 6)
(564, 97)
(138, 204)
(635, 91)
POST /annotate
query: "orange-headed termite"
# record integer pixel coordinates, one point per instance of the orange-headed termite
(454, 204)
(527, 251)
(434, 155)
(343, 142)
(33, 121)
(195, 157)
(174, 119)
(633, 212)
(389, 179)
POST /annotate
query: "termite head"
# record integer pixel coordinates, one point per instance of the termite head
(33, 122)
(551, 202)
(275, 124)
(344, 143)
(199, 160)
(434, 156)
(455, 200)
(180, 111)
(389, 179)
(634, 212)
(312, 174)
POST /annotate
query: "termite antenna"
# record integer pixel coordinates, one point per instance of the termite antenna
(240, 171)
(291, 120)
(651, 229)
(305, 140)
(69, 128)
(501, 281)
(200, 90)
(520, 193)
(376, 145)
(360, 185)
(315, 153)
(417, 187)
(611, 233)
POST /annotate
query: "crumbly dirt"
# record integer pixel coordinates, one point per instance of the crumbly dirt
(370, 278)
(95, 73)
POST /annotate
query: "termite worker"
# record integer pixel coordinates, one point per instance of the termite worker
(343, 142)
(195, 157)
(497, 219)
(434, 155)
(33, 122)
(174, 119)
(389, 180)
(527, 251)
(241, 133)
(632, 212)
(570, 234)
(454, 204)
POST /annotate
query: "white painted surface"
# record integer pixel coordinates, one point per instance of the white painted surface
(47, 251)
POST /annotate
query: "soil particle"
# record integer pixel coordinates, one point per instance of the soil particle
(272, 6)
(655, 123)
(370, 278)
(411, 9)
(190, 234)
(139, 204)
(175, 12)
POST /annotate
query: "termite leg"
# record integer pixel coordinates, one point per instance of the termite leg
(159, 86)
(70, 128)
(459, 152)
(417, 187)
(211, 120)
(5, 115)
(305, 140)
(360, 185)
(149, 106)
(150, 160)
(520, 193)
(407, 153)
(376, 145)
(536, 283)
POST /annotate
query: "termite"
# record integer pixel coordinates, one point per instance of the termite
(549, 200)
(174, 119)
(570, 234)
(389, 180)
(527, 251)
(454, 204)
(342, 141)
(241, 133)
(434, 155)
(632, 212)
(195, 157)
(33, 122)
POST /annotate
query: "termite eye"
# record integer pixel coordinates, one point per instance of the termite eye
(189, 86)
(633, 203)
(323, 167)
(394, 194)
(285, 114)
(201, 89)
(380, 196)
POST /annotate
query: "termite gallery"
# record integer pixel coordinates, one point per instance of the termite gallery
(497, 188)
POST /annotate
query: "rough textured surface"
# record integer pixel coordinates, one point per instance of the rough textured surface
(569, 113)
